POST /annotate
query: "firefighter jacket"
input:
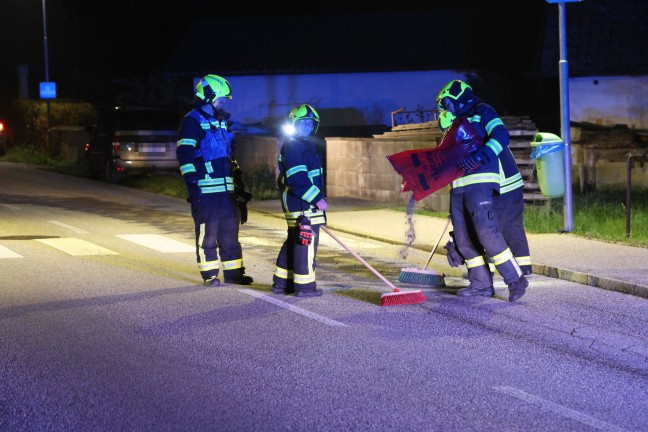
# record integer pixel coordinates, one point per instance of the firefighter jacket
(204, 151)
(300, 180)
(510, 176)
(491, 129)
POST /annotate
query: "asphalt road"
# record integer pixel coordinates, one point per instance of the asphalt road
(104, 325)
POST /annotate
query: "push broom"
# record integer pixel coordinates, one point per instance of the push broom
(425, 277)
(394, 298)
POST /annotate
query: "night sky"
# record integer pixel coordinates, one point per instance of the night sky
(90, 43)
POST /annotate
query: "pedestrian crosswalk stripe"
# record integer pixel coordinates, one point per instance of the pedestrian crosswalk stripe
(7, 253)
(158, 243)
(74, 246)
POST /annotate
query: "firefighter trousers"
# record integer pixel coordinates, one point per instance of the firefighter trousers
(510, 213)
(216, 220)
(295, 265)
(473, 211)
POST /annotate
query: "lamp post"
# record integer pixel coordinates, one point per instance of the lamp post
(49, 112)
(564, 111)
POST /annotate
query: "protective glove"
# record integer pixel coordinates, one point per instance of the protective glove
(470, 164)
(242, 197)
(194, 193)
(305, 231)
(237, 175)
(321, 205)
(454, 257)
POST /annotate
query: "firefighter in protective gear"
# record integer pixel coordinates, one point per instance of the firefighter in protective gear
(301, 186)
(204, 153)
(509, 203)
(472, 208)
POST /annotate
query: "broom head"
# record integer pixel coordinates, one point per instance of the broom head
(422, 277)
(402, 297)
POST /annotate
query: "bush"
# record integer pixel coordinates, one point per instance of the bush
(31, 120)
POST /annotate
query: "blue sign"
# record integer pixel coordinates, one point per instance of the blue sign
(48, 90)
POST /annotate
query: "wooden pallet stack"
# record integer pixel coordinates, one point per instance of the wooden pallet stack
(424, 130)
(522, 131)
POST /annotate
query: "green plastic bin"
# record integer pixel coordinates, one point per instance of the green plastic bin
(548, 151)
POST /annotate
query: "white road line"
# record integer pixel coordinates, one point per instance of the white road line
(558, 409)
(73, 246)
(7, 253)
(70, 227)
(300, 311)
(11, 207)
(158, 243)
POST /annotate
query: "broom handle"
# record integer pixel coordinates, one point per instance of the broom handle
(437, 244)
(359, 258)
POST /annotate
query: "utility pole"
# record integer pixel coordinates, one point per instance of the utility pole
(49, 111)
(564, 111)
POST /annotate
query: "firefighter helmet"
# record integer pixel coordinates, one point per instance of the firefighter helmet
(211, 87)
(454, 90)
(304, 112)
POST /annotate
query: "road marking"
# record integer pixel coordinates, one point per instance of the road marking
(73, 246)
(7, 253)
(300, 311)
(558, 409)
(70, 227)
(158, 243)
(11, 207)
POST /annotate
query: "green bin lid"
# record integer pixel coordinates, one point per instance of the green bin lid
(545, 138)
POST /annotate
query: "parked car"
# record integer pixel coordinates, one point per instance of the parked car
(132, 141)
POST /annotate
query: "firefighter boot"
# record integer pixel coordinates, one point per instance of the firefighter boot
(481, 283)
(472, 291)
(276, 289)
(212, 281)
(240, 279)
(312, 293)
(518, 288)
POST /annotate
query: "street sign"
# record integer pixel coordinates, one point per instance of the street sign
(48, 90)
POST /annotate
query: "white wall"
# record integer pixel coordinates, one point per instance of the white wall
(608, 101)
(360, 98)
(353, 99)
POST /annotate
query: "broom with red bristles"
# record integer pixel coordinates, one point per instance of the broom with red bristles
(395, 298)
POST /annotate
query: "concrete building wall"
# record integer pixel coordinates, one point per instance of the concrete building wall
(358, 167)
(352, 99)
(349, 99)
(608, 101)
(355, 167)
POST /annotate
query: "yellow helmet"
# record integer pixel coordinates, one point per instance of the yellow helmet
(304, 111)
(454, 90)
(213, 86)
